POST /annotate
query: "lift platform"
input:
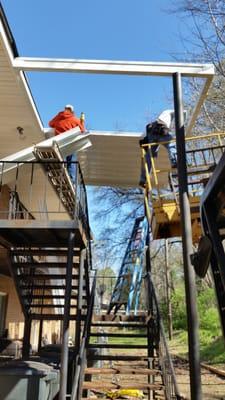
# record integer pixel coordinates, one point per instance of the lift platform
(162, 190)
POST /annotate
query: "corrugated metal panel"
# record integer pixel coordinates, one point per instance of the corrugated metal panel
(114, 159)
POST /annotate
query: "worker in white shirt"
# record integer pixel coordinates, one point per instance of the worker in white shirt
(158, 132)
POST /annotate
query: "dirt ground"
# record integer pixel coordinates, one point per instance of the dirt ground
(213, 386)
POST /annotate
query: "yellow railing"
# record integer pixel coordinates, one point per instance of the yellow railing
(192, 145)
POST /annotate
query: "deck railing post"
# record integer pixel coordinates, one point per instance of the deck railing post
(66, 319)
(40, 334)
(79, 301)
(26, 338)
(190, 288)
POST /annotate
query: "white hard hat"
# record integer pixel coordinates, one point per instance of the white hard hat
(166, 118)
(69, 106)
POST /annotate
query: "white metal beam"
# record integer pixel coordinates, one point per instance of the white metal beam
(113, 67)
(198, 105)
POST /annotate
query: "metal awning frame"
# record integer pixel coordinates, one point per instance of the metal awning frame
(192, 70)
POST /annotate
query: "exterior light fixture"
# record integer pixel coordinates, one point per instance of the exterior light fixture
(20, 130)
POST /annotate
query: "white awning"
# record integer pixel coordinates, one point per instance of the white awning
(114, 159)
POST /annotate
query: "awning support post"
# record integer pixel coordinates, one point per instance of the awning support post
(189, 275)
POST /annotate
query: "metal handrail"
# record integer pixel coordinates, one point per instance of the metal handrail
(165, 360)
(17, 210)
(216, 135)
(146, 148)
(77, 198)
(87, 215)
(81, 357)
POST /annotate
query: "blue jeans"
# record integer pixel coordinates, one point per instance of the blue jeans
(170, 146)
(71, 166)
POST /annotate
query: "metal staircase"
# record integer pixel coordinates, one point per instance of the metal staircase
(213, 225)
(124, 359)
(41, 284)
(50, 253)
(126, 355)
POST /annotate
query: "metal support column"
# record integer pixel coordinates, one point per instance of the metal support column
(40, 334)
(190, 288)
(148, 256)
(150, 328)
(26, 338)
(168, 290)
(66, 319)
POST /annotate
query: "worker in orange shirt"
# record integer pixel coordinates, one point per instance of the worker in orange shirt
(62, 122)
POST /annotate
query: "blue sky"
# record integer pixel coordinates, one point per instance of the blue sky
(132, 30)
(99, 29)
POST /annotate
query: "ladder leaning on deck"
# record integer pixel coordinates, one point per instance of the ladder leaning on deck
(55, 166)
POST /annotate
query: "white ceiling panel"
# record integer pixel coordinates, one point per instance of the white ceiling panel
(114, 159)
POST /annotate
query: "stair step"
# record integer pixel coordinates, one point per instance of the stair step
(119, 358)
(121, 371)
(119, 325)
(102, 397)
(49, 305)
(45, 287)
(109, 385)
(42, 265)
(119, 318)
(44, 277)
(54, 317)
(116, 346)
(43, 252)
(48, 296)
(122, 335)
